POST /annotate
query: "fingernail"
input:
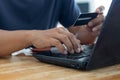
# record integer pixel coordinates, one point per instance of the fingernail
(90, 24)
(65, 52)
(72, 52)
(78, 50)
(102, 8)
(94, 29)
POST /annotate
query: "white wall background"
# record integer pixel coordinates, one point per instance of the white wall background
(96, 3)
(105, 3)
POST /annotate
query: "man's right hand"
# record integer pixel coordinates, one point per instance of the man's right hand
(55, 37)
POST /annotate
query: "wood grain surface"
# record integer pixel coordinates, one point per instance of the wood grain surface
(28, 68)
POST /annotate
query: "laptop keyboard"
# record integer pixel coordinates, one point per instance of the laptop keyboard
(87, 50)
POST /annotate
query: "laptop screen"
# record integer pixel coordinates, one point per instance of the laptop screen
(107, 50)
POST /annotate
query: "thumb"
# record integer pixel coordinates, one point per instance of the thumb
(100, 9)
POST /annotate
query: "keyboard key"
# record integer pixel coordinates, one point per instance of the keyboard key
(85, 53)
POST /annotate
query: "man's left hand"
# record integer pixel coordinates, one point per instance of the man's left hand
(96, 24)
(88, 33)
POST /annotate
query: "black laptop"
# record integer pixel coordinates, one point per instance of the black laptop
(105, 52)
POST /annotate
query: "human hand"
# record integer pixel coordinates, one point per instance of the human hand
(55, 37)
(96, 24)
(88, 33)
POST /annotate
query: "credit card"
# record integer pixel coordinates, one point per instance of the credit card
(85, 18)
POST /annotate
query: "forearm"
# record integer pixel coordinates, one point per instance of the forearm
(11, 41)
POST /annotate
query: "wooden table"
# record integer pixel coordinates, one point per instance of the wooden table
(28, 68)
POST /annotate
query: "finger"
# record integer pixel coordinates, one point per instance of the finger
(100, 9)
(66, 41)
(74, 41)
(69, 40)
(96, 21)
(64, 36)
(79, 49)
(97, 28)
(59, 45)
(97, 31)
(95, 34)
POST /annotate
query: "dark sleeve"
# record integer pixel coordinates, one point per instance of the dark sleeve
(69, 12)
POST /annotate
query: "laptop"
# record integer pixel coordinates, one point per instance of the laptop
(105, 52)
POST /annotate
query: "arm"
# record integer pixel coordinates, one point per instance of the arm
(11, 41)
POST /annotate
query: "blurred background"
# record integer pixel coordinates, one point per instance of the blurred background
(91, 5)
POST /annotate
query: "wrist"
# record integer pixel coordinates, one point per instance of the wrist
(29, 36)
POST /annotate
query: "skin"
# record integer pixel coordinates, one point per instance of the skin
(88, 33)
(11, 41)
